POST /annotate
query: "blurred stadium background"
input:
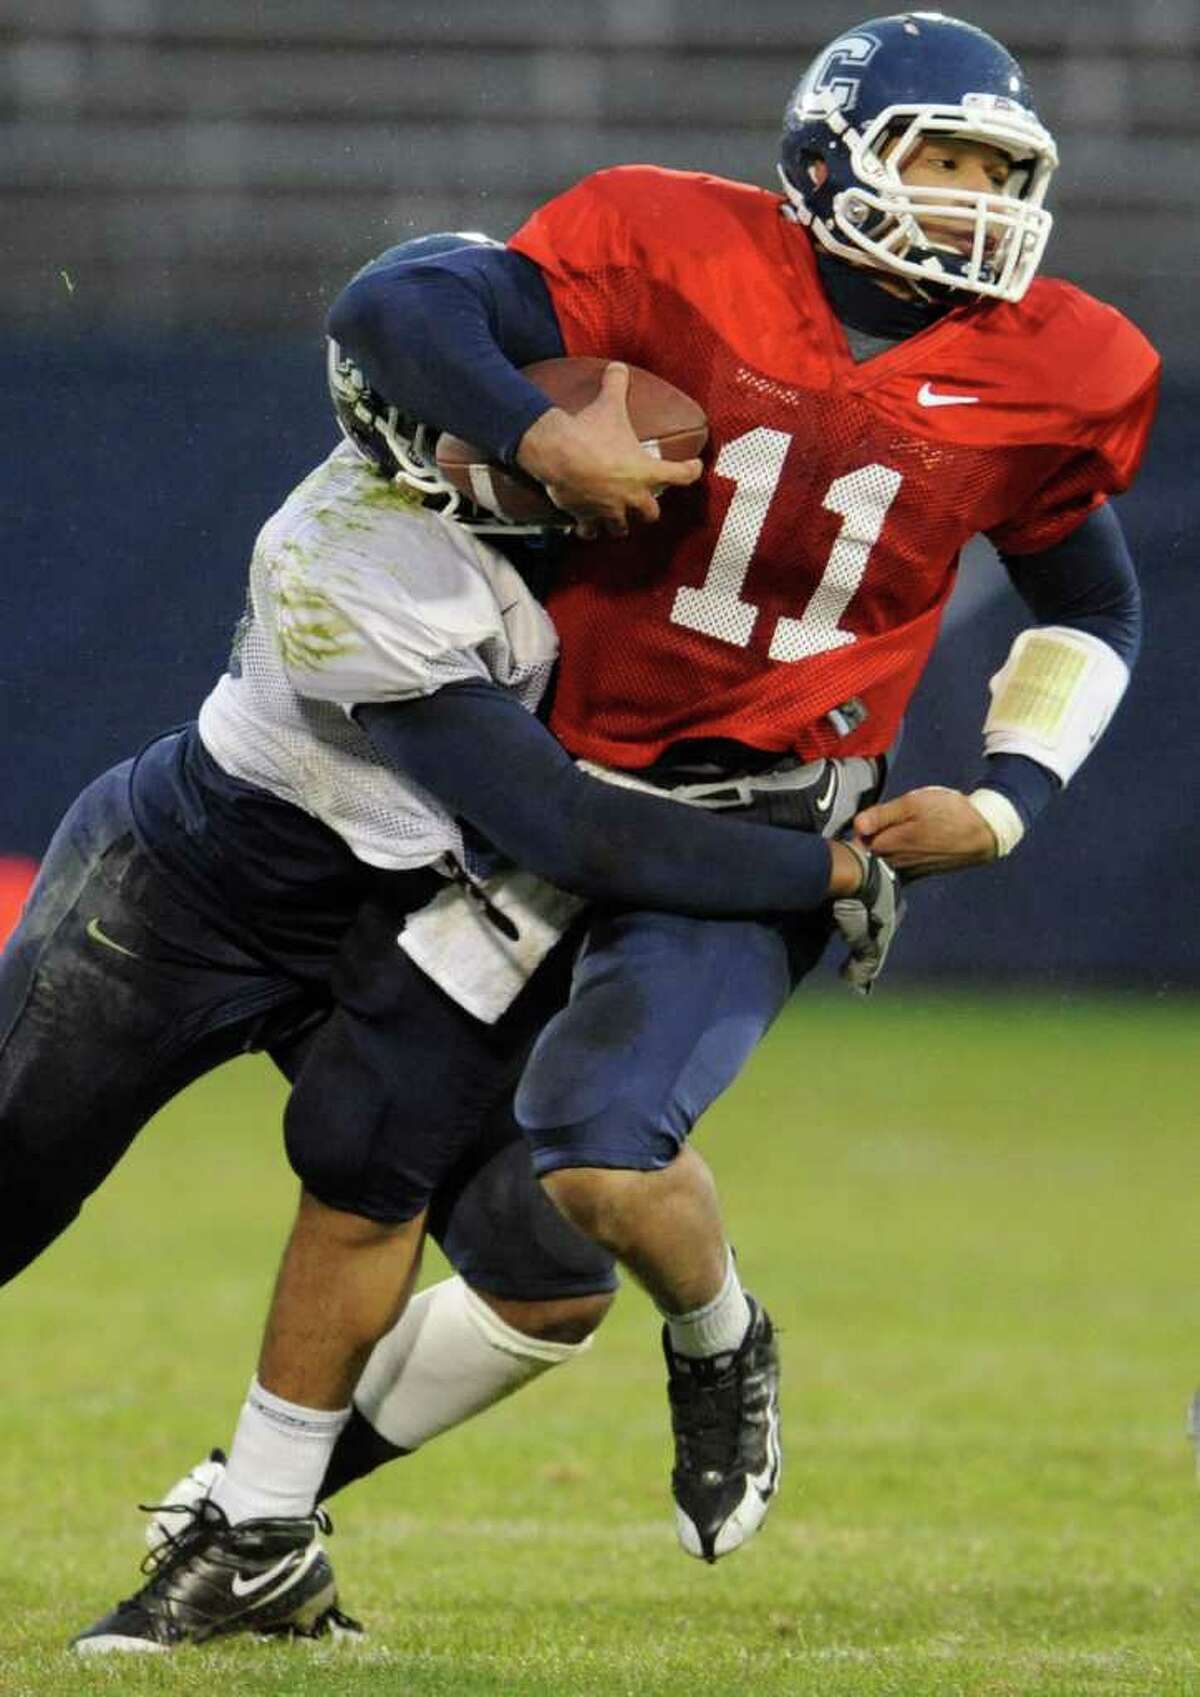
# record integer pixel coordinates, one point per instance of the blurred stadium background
(185, 186)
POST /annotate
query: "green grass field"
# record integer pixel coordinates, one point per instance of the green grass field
(974, 1223)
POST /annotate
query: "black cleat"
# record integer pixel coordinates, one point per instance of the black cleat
(211, 1579)
(725, 1417)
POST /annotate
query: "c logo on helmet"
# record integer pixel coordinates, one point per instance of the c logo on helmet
(828, 85)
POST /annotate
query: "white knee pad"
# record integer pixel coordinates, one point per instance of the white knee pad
(447, 1358)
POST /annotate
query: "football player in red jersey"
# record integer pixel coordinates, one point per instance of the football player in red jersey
(885, 376)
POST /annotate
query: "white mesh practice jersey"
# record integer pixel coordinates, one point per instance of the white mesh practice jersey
(356, 595)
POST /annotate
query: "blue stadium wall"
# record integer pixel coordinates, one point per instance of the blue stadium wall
(136, 476)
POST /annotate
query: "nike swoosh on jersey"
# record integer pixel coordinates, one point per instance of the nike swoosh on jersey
(928, 397)
(259, 1581)
(99, 936)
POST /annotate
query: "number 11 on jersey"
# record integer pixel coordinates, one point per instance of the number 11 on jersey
(862, 498)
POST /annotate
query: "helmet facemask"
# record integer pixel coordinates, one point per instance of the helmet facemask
(403, 450)
(880, 221)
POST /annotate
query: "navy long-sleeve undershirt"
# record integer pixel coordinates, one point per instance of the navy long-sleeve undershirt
(492, 763)
(1087, 581)
(442, 339)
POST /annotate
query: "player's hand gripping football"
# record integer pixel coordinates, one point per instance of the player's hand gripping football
(927, 830)
(593, 465)
(869, 920)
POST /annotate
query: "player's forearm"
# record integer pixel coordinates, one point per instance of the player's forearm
(1085, 584)
(488, 761)
(442, 341)
(1029, 786)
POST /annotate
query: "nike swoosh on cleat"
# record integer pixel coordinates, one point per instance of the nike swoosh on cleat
(928, 397)
(823, 801)
(766, 1483)
(98, 936)
(247, 1587)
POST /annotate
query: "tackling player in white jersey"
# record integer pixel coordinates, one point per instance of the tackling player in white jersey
(240, 884)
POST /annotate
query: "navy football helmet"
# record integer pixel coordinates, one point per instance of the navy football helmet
(399, 447)
(867, 103)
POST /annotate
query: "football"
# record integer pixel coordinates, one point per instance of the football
(668, 423)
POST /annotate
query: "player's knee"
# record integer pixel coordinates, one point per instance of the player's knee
(343, 1228)
(327, 1156)
(608, 1205)
(581, 1116)
(537, 1260)
(623, 1135)
(568, 1320)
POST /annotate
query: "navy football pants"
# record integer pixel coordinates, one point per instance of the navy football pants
(664, 1012)
(115, 994)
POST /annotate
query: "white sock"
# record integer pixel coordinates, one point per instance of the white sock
(278, 1458)
(717, 1328)
(447, 1358)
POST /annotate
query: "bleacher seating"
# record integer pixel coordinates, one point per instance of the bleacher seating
(228, 163)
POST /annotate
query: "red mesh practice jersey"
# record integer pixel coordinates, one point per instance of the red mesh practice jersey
(810, 566)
